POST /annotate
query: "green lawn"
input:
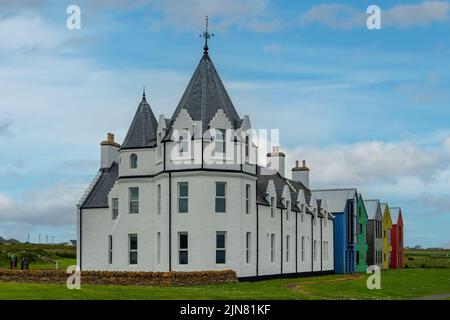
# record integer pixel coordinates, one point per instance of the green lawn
(41, 256)
(396, 284)
(415, 258)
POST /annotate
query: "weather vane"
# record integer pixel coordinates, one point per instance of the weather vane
(206, 35)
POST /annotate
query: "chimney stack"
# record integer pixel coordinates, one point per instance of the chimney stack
(301, 174)
(109, 152)
(276, 160)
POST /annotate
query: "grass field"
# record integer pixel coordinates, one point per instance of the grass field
(396, 284)
(427, 275)
(427, 258)
(41, 256)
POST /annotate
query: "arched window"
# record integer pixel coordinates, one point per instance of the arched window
(133, 161)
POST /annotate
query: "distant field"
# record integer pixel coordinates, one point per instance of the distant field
(415, 258)
(395, 284)
(41, 256)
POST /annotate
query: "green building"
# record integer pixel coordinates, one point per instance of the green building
(361, 246)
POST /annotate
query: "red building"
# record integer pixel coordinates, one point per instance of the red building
(397, 238)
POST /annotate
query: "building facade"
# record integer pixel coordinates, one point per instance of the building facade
(183, 194)
(387, 236)
(361, 241)
(397, 238)
(374, 233)
(342, 203)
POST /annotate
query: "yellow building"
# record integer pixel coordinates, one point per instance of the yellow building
(387, 235)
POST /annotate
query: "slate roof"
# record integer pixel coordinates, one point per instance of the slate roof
(142, 132)
(395, 214)
(336, 198)
(205, 95)
(371, 207)
(98, 197)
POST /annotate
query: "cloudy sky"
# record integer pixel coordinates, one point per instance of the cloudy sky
(366, 109)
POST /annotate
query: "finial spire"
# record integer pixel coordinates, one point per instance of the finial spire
(206, 35)
(143, 93)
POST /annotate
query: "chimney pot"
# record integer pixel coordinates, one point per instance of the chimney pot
(110, 137)
(296, 163)
(304, 163)
(275, 149)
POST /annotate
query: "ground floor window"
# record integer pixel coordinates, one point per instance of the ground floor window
(133, 248)
(110, 248)
(183, 248)
(325, 250)
(272, 248)
(248, 239)
(221, 247)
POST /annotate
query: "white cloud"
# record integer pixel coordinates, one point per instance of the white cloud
(374, 163)
(28, 32)
(336, 16)
(190, 14)
(345, 17)
(45, 207)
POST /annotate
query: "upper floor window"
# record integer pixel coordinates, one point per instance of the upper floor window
(115, 208)
(247, 198)
(133, 161)
(221, 196)
(220, 145)
(184, 141)
(183, 197)
(158, 199)
(134, 200)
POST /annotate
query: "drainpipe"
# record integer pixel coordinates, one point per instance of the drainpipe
(281, 254)
(170, 221)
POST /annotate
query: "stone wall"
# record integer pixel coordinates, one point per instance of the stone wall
(122, 278)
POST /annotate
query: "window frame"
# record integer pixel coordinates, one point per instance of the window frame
(110, 249)
(133, 161)
(114, 208)
(132, 200)
(288, 240)
(248, 248)
(183, 142)
(248, 191)
(131, 251)
(182, 250)
(183, 197)
(220, 197)
(272, 247)
(221, 142)
(220, 249)
(158, 199)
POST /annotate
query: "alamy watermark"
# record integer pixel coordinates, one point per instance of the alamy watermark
(374, 281)
(73, 21)
(74, 278)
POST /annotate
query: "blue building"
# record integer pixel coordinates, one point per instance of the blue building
(342, 203)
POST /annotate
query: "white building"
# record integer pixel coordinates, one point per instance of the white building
(183, 194)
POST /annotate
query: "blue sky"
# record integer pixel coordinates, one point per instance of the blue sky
(366, 109)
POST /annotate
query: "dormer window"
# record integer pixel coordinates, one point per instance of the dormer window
(133, 161)
(220, 145)
(247, 146)
(159, 144)
(184, 141)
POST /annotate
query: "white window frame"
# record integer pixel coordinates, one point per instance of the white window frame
(303, 248)
(110, 249)
(158, 199)
(183, 249)
(158, 248)
(185, 197)
(248, 248)
(130, 251)
(133, 161)
(247, 146)
(224, 197)
(288, 240)
(133, 200)
(248, 191)
(159, 144)
(224, 248)
(272, 207)
(115, 208)
(183, 142)
(272, 248)
(220, 137)
(315, 250)
(287, 210)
